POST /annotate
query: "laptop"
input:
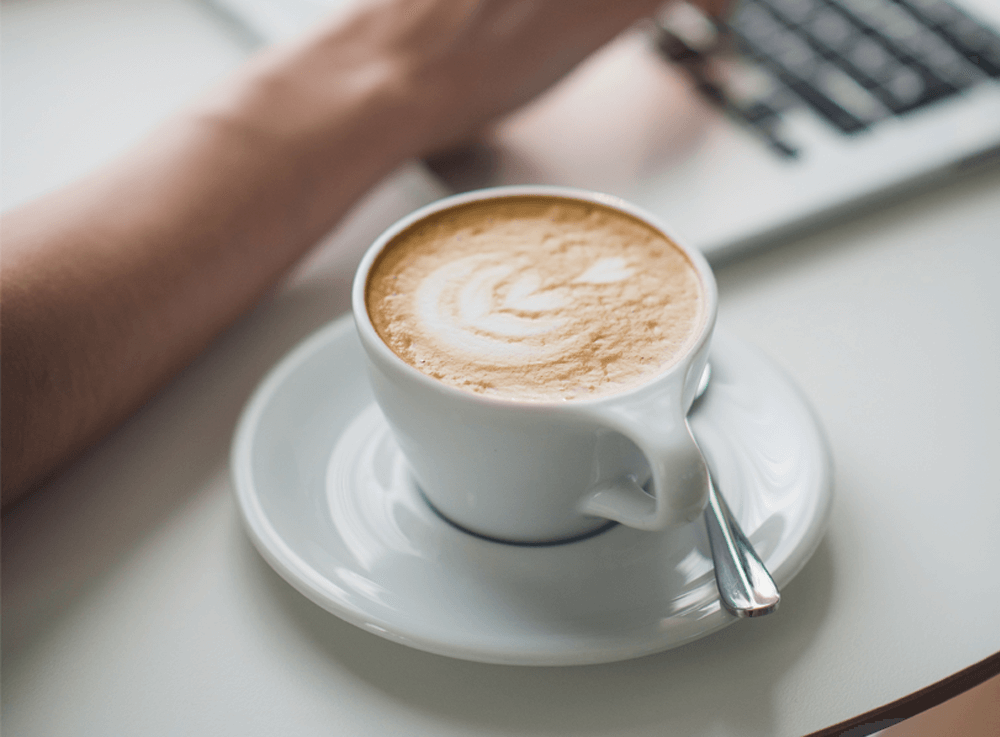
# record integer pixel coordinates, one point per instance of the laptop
(788, 114)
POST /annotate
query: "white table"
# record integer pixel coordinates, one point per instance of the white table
(133, 602)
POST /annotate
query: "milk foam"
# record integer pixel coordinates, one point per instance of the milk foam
(465, 305)
(535, 298)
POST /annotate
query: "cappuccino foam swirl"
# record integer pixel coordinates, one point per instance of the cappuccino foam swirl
(535, 298)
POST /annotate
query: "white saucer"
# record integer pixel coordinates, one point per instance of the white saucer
(328, 502)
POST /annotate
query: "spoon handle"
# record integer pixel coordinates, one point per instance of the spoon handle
(745, 586)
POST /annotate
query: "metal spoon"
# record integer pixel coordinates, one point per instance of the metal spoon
(745, 585)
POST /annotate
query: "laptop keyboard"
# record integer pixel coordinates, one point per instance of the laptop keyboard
(853, 62)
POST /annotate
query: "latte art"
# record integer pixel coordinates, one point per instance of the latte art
(490, 311)
(536, 298)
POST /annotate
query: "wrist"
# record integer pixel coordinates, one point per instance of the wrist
(334, 93)
(315, 133)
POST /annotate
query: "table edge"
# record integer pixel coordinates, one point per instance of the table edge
(917, 702)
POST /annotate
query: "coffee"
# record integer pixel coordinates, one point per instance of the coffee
(537, 298)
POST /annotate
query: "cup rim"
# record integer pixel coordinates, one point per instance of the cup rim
(372, 341)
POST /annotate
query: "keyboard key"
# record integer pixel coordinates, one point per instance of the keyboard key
(755, 25)
(795, 54)
(905, 89)
(896, 24)
(832, 31)
(870, 58)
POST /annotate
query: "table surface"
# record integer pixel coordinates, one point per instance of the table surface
(134, 603)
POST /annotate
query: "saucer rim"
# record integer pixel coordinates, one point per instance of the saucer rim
(314, 586)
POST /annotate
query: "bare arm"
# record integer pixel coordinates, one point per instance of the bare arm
(112, 285)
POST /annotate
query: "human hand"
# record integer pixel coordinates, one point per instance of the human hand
(477, 59)
(452, 66)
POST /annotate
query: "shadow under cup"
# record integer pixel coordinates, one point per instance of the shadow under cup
(538, 468)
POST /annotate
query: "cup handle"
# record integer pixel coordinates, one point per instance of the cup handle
(678, 468)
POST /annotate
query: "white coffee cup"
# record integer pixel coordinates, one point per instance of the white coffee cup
(536, 471)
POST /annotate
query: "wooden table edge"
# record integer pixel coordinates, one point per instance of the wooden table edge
(917, 702)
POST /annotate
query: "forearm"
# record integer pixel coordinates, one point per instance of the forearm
(112, 285)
